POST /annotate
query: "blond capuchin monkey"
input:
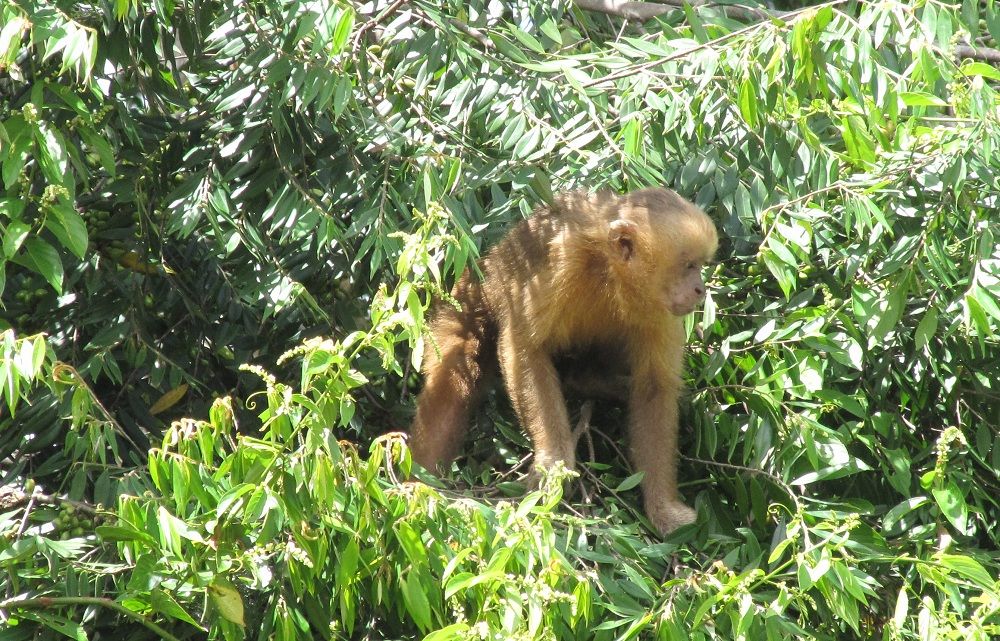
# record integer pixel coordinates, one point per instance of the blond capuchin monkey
(596, 273)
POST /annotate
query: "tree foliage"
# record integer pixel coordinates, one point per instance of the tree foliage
(239, 212)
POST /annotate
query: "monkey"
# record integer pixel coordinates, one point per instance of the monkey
(604, 274)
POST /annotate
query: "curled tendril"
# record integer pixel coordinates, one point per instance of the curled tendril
(64, 373)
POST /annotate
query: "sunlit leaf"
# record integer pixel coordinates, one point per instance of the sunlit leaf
(951, 501)
(921, 99)
(164, 603)
(169, 399)
(44, 259)
(68, 226)
(968, 568)
(416, 601)
(14, 237)
(227, 600)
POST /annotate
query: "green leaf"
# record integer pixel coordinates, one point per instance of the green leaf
(893, 516)
(348, 564)
(227, 600)
(341, 95)
(632, 137)
(164, 603)
(13, 237)
(122, 533)
(636, 627)
(10, 36)
(981, 69)
(528, 143)
(902, 607)
(987, 301)
(859, 143)
(345, 24)
(527, 39)
(697, 26)
(951, 500)
(12, 208)
(100, 146)
(969, 568)
(895, 306)
(69, 227)
(921, 99)
(53, 159)
(411, 543)
(781, 251)
(817, 571)
(415, 599)
(506, 47)
(836, 471)
(551, 29)
(60, 624)
(629, 483)
(992, 19)
(25, 361)
(748, 102)
(44, 259)
(926, 329)
(465, 580)
(453, 631)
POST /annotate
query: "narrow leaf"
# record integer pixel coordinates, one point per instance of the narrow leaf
(169, 399)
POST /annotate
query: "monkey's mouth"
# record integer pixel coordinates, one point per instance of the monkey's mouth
(682, 309)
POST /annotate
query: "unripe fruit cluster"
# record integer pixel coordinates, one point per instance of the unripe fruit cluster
(72, 523)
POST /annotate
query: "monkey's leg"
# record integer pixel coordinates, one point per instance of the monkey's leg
(533, 386)
(653, 419)
(452, 387)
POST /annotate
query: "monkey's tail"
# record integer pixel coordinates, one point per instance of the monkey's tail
(457, 367)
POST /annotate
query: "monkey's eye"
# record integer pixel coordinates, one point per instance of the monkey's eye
(691, 265)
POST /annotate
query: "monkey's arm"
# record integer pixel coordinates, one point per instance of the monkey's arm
(653, 427)
(533, 386)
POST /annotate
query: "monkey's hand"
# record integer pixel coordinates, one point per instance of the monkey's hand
(667, 516)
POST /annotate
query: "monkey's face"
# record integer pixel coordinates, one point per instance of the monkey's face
(684, 287)
(689, 244)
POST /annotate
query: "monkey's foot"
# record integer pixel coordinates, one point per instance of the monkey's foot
(548, 469)
(667, 516)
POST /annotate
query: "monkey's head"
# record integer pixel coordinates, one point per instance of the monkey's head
(662, 244)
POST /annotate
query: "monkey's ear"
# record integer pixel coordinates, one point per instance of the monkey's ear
(622, 234)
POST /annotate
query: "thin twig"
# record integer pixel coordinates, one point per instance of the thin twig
(472, 32)
(44, 603)
(749, 470)
(583, 428)
(388, 11)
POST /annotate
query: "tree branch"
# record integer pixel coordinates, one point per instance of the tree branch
(646, 10)
(977, 53)
(643, 11)
(622, 9)
(44, 603)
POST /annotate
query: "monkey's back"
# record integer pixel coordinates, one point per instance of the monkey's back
(549, 274)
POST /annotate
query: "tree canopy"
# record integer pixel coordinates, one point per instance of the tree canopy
(223, 225)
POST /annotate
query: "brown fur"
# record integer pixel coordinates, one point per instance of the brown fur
(615, 274)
